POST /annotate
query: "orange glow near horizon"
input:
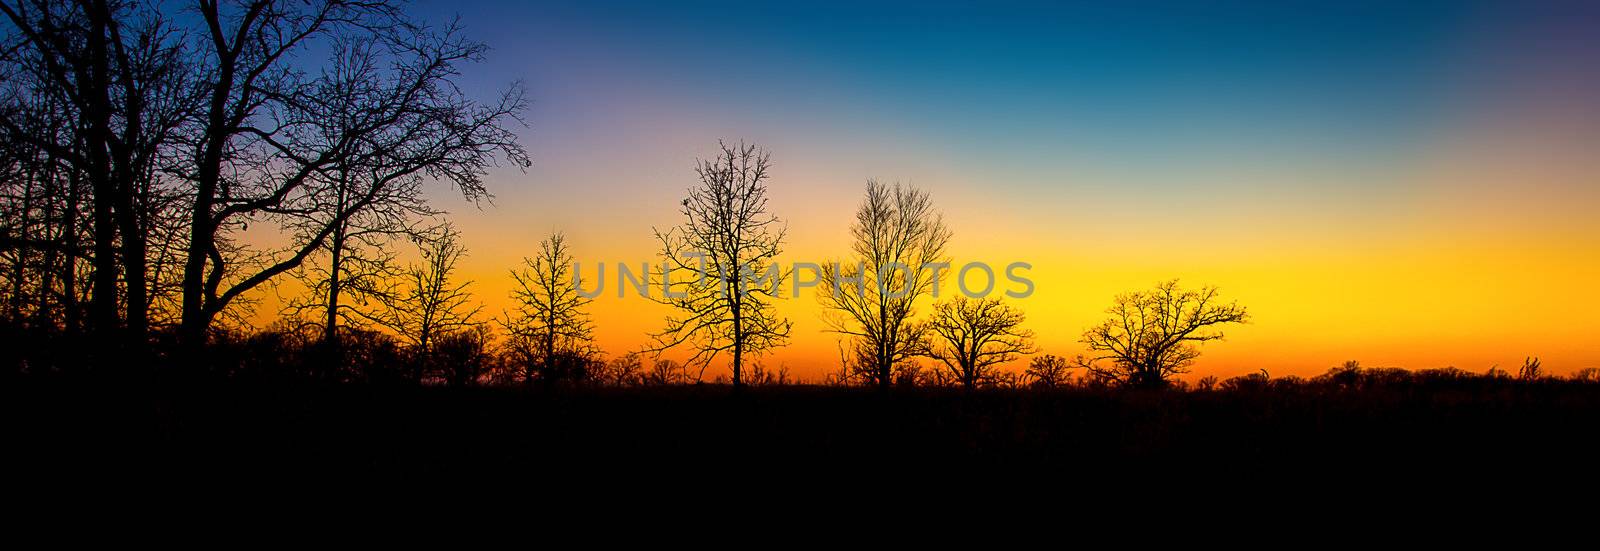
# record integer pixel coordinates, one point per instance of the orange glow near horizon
(1458, 229)
(1456, 280)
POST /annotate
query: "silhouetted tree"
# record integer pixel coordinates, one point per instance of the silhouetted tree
(370, 356)
(1009, 380)
(148, 143)
(357, 258)
(665, 371)
(624, 370)
(384, 112)
(461, 357)
(427, 303)
(1531, 370)
(913, 374)
(1153, 335)
(971, 336)
(723, 252)
(1347, 375)
(550, 331)
(897, 240)
(761, 376)
(1253, 381)
(1048, 371)
(42, 257)
(97, 92)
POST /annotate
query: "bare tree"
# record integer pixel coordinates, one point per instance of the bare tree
(63, 47)
(461, 357)
(357, 258)
(550, 330)
(723, 254)
(102, 90)
(898, 241)
(151, 142)
(41, 234)
(971, 336)
(1154, 335)
(1048, 371)
(384, 110)
(427, 303)
(665, 371)
(625, 370)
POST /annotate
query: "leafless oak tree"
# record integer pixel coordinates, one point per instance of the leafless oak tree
(898, 239)
(971, 336)
(1154, 335)
(550, 331)
(719, 264)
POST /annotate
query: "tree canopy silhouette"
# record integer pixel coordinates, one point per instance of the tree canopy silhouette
(144, 145)
(897, 239)
(383, 111)
(96, 93)
(428, 304)
(551, 336)
(1154, 335)
(722, 255)
(971, 336)
(1047, 371)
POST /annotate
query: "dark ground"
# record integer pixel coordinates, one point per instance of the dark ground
(226, 431)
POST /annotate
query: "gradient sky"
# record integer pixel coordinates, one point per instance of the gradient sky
(1402, 183)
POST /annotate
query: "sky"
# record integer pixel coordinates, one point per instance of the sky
(1408, 184)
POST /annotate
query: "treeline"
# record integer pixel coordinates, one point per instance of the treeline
(162, 164)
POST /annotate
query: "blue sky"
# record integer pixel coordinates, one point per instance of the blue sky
(1348, 169)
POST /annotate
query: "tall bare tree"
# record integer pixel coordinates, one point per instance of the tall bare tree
(550, 330)
(723, 255)
(898, 241)
(384, 109)
(103, 89)
(357, 259)
(971, 336)
(1154, 335)
(427, 302)
(41, 235)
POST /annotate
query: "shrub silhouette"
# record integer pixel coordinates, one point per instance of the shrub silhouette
(1530, 370)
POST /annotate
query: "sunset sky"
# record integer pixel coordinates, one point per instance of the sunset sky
(1408, 184)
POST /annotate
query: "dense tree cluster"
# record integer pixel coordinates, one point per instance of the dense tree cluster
(150, 152)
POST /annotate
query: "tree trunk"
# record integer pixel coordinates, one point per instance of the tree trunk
(43, 317)
(196, 321)
(73, 315)
(333, 352)
(738, 336)
(133, 235)
(103, 304)
(19, 269)
(549, 338)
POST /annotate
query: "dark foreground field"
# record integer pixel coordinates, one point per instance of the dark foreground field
(233, 430)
